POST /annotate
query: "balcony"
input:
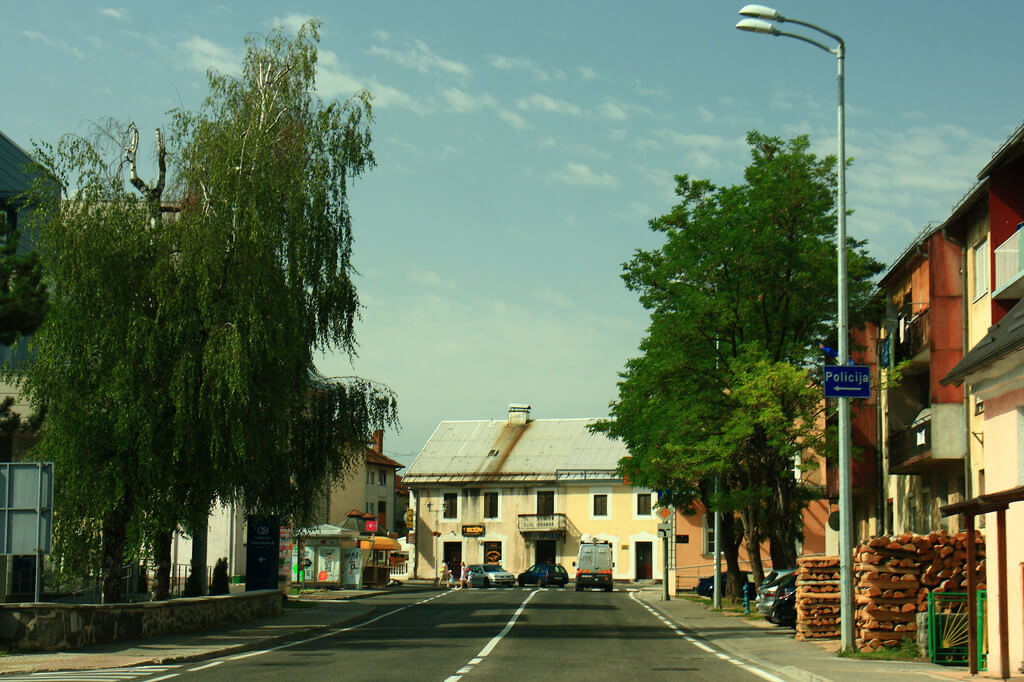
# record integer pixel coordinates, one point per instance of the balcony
(1009, 257)
(936, 436)
(914, 342)
(543, 523)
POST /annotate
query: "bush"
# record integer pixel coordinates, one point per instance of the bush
(219, 581)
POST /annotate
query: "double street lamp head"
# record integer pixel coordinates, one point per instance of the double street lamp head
(761, 12)
(757, 26)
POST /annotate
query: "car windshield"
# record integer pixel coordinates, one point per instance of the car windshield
(492, 568)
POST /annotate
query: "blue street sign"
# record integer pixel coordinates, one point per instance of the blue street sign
(847, 381)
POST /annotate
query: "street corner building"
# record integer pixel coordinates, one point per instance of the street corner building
(521, 491)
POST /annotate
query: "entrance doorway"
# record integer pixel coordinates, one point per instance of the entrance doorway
(644, 560)
(545, 552)
(453, 556)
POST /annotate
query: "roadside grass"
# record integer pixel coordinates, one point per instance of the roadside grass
(728, 606)
(297, 604)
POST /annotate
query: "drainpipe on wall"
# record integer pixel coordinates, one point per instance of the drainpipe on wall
(968, 487)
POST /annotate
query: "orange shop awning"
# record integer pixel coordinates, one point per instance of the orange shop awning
(380, 542)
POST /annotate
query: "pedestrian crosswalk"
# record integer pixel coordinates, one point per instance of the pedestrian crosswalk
(142, 672)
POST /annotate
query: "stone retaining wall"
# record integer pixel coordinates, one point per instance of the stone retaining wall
(55, 627)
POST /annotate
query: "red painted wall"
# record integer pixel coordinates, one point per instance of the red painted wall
(1006, 211)
(946, 317)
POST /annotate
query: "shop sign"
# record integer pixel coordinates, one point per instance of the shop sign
(472, 531)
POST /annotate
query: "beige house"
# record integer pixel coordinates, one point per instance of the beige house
(520, 491)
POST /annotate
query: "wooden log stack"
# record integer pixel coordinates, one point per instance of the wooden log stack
(894, 575)
(817, 598)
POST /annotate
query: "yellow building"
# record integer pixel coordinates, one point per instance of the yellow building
(521, 491)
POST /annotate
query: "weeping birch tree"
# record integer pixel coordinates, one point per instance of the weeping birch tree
(191, 341)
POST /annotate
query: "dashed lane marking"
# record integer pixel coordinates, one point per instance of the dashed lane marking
(749, 667)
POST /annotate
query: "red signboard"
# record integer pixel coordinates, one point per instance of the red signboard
(371, 525)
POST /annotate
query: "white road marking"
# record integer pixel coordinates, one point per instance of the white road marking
(749, 667)
(489, 647)
(99, 675)
(204, 667)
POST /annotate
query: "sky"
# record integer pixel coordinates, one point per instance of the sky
(522, 147)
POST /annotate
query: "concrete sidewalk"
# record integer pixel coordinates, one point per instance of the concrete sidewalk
(774, 649)
(316, 611)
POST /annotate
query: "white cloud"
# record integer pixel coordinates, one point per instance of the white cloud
(463, 102)
(539, 102)
(420, 58)
(702, 141)
(617, 134)
(291, 23)
(587, 73)
(555, 298)
(202, 54)
(333, 83)
(582, 174)
(513, 119)
(53, 42)
(380, 35)
(503, 63)
(431, 279)
(613, 111)
(120, 13)
(705, 115)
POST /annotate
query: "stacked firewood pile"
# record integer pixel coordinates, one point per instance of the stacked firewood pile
(817, 598)
(894, 576)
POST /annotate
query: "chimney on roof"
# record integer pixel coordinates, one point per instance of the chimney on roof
(518, 413)
(378, 441)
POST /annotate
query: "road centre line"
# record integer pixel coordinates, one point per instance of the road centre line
(489, 647)
(749, 667)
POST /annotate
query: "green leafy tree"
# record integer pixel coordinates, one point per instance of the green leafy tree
(177, 365)
(741, 294)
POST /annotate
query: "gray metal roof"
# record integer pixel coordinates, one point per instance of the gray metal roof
(13, 176)
(495, 450)
(1003, 338)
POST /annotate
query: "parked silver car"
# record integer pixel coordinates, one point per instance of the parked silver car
(766, 599)
(486, 575)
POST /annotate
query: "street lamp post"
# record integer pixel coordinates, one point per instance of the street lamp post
(760, 22)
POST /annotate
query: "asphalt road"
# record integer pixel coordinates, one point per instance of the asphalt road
(495, 634)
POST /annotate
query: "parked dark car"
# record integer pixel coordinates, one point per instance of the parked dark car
(705, 586)
(544, 574)
(766, 604)
(769, 586)
(784, 608)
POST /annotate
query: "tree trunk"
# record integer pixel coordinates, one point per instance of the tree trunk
(752, 537)
(115, 529)
(731, 552)
(197, 578)
(162, 553)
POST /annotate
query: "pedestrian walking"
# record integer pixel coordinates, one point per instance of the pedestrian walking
(464, 578)
(442, 575)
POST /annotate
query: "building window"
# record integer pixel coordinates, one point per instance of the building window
(981, 269)
(383, 477)
(369, 476)
(979, 406)
(491, 507)
(601, 501)
(600, 505)
(545, 502)
(643, 504)
(708, 544)
(451, 505)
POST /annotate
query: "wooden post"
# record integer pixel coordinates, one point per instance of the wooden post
(972, 596)
(1004, 616)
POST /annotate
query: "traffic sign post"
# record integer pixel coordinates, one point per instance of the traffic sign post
(262, 554)
(847, 381)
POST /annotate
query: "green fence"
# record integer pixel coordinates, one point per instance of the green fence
(948, 628)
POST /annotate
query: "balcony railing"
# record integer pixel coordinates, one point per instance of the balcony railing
(917, 336)
(909, 443)
(540, 523)
(1010, 268)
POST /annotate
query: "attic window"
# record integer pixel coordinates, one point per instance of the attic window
(492, 453)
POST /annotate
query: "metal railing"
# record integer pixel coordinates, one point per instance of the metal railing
(1009, 259)
(909, 443)
(542, 522)
(916, 337)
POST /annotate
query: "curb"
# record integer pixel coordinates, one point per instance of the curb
(790, 672)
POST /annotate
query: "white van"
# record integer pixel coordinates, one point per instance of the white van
(594, 564)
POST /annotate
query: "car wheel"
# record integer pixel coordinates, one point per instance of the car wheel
(578, 588)
(608, 588)
(540, 582)
(487, 582)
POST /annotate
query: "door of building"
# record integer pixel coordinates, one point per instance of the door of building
(453, 557)
(545, 552)
(545, 502)
(644, 560)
